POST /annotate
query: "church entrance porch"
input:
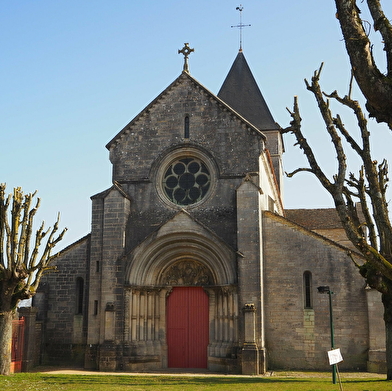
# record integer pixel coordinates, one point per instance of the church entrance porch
(181, 301)
(187, 328)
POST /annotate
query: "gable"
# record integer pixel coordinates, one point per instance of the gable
(181, 238)
(213, 127)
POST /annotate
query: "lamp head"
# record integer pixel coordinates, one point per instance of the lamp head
(323, 289)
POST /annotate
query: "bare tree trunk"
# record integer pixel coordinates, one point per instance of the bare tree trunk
(5, 341)
(375, 86)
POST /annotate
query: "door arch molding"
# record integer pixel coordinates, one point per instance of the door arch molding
(146, 263)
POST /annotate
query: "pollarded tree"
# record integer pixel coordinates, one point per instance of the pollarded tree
(360, 199)
(375, 85)
(23, 260)
(373, 236)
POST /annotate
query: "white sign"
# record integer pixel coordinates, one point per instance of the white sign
(334, 356)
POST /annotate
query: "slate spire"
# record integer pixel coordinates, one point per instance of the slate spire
(241, 92)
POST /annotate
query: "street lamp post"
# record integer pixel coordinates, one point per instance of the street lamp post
(325, 289)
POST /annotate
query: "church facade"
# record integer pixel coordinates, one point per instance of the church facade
(192, 260)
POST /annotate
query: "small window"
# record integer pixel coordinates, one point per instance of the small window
(186, 127)
(79, 295)
(95, 307)
(308, 299)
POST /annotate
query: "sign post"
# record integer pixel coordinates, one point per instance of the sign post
(325, 289)
(335, 357)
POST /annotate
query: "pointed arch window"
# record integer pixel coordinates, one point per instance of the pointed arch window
(186, 126)
(307, 288)
(79, 295)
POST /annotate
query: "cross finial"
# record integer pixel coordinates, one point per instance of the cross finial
(241, 25)
(186, 51)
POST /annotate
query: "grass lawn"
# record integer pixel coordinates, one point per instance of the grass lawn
(282, 381)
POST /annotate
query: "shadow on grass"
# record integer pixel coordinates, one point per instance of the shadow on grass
(169, 380)
(47, 381)
(359, 381)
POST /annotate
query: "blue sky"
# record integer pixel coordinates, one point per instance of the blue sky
(73, 73)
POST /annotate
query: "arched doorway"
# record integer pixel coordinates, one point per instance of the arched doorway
(181, 256)
(187, 328)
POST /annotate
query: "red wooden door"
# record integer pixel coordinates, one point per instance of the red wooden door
(17, 345)
(187, 328)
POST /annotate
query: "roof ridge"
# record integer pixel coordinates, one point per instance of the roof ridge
(311, 232)
(183, 75)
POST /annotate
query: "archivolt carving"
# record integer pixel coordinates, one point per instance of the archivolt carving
(187, 273)
(180, 239)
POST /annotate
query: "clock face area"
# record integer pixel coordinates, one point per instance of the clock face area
(186, 181)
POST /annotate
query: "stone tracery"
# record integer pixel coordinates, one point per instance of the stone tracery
(187, 273)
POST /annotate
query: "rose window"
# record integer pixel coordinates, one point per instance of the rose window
(186, 181)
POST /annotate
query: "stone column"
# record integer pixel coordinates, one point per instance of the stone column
(376, 355)
(109, 325)
(250, 352)
(250, 274)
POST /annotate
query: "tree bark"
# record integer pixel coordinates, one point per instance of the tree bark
(20, 268)
(368, 187)
(5, 341)
(375, 86)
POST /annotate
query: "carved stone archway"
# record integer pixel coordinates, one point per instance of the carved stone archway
(181, 254)
(181, 239)
(188, 273)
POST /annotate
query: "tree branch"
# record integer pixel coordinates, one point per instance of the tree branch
(295, 128)
(325, 111)
(291, 174)
(371, 185)
(382, 24)
(19, 273)
(376, 87)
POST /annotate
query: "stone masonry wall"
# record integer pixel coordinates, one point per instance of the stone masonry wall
(161, 126)
(250, 277)
(58, 306)
(232, 147)
(299, 337)
(106, 314)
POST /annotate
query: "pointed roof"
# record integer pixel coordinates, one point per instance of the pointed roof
(241, 92)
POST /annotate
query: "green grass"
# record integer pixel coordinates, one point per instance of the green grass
(284, 381)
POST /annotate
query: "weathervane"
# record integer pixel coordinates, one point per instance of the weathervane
(186, 51)
(241, 25)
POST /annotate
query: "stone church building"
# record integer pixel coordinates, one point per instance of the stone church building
(193, 261)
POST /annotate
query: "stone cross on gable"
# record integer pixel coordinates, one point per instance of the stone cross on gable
(186, 51)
